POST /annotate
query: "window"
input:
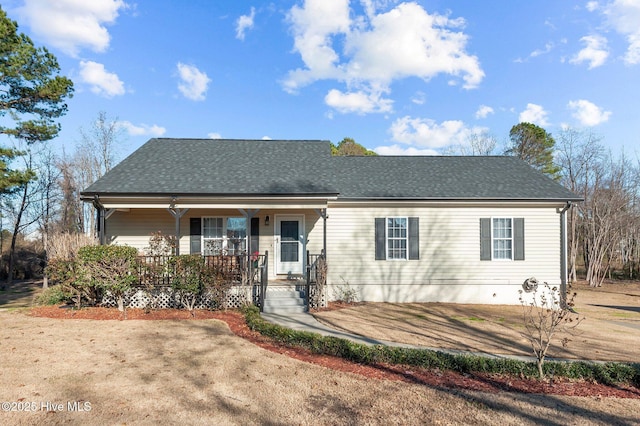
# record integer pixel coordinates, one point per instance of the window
(502, 238)
(397, 238)
(236, 235)
(224, 235)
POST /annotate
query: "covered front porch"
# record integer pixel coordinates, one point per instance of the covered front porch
(259, 245)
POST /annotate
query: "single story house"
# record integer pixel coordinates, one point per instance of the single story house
(392, 228)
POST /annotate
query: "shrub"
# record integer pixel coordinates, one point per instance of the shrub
(188, 278)
(192, 277)
(66, 274)
(54, 295)
(608, 373)
(161, 244)
(345, 293)
(108, 268)
(544, 316)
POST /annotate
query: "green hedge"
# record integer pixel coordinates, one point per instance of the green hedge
(609, 373)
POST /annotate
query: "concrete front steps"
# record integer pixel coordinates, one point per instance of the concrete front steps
(284, 300)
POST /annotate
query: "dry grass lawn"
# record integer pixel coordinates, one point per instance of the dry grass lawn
(197, 372)
(138, 372)
(610, 332)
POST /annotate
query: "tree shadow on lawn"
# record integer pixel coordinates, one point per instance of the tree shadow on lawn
(622, 308)
(560, 411)
(451, 328)
(20, 294)
(492, 329)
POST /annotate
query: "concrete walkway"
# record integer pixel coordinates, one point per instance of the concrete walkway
(307, 322)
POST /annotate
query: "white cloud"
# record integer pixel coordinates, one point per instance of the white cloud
(419, 98)
(624, 16)
(534, 114)
(142, 130)
(214, 136)
(244, 23)
(193, 82)
(592, 5)
(400, 150)
(539, 52)
(266, 138)
(358, 102)
(367, 53)
(427, 133)
(588, 113)
(484, 111)
(595, 52)
(102, 82)
(71, 25)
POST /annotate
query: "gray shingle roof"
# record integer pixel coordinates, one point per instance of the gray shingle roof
(257, 167)
(439, 177)
(220, 166)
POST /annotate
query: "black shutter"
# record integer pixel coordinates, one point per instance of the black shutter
(380, 239)
(195, 232)
(414, 238)
(255, 233)
(518, 238)
(485, 239)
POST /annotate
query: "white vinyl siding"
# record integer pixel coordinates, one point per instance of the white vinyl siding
(449, 267)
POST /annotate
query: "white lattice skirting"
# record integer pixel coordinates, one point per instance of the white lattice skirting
(166, 297)
(317, 298)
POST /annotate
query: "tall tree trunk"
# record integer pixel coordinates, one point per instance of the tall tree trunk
(45, 243)
(16, 229)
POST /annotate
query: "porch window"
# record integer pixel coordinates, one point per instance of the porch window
(224, 235)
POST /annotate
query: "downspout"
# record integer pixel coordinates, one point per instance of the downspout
(100, 222)
(563, 254)
(99, 225)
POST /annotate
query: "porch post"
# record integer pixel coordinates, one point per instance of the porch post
(248, 214)
(177, 214)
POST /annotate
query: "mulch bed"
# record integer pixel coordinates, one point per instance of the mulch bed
(433, 378)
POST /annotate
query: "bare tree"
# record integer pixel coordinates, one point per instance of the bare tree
(476, 143)
(18, 205)
(94, 156)
(606, 214)
(578, 153)
(46, 207)
(71, 213)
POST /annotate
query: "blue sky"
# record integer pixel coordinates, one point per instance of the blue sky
(398, 77)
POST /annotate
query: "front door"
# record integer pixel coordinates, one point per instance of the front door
(289, 236)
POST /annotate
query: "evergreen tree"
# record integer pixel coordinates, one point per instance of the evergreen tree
(535, 146)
